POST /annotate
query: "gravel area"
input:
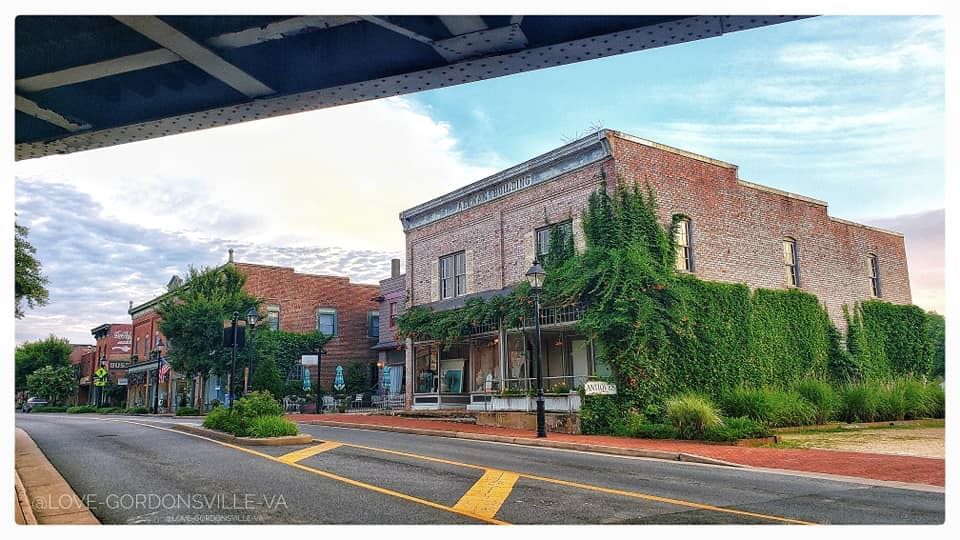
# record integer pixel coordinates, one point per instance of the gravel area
(920, 442)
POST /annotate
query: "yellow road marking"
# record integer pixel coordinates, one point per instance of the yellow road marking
(299, 455)
(633, 494)
(329, 475)
(488, 494)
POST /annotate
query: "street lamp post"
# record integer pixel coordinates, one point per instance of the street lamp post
(320, 352)
(252, 317)
(233, 357)
(156, 388)
(535, 275)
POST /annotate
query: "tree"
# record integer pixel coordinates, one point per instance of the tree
(267, 377)
(356, 380)
(193, 317)
(29, 283)
(31, 356)
(55, 384)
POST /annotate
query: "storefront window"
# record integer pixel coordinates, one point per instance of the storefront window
(517, 365)
(453, 364)
(425, 367)
(485, 372)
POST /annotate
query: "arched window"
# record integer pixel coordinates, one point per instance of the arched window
(873, 269)
(791, 263)
(682, 238)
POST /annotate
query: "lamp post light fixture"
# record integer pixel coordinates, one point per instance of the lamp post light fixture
(233, 357)
(252, 318)
(535, 276)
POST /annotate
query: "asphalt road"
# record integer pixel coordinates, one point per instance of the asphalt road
(136, 470)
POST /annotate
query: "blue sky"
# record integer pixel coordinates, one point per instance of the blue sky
(847, 110)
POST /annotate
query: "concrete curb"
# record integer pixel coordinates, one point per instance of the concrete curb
(22, 500)
(544, 443)
(49, 498)
(290, 440)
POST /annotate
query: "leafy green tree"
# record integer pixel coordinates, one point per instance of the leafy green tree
(357, 378)
(193, 316)
(267, 377)
(29, 282)
(31, 356)
(54, 383)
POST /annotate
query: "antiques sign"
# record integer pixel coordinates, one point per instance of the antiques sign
(593, 388)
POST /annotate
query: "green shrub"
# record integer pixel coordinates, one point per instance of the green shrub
(746, 402)
(692, 415)
(108, 410)
(769, 405)
(138, 410)
(821, 396)
(919, 403)
(656, 431)
(860, 402)
(892, 403)
(629, 424)
(48, 408)
(272, 426)
(224, 419)
(599, 414)
(81, 409)
(186, 411)
(937, 399)
(257, 404)
(734, 429)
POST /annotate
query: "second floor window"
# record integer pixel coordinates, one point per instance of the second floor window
(393, 314)
(453, 275)
(373, 321)
(790, 263)
(873, 267)
(681, 237)
(544, 233)
(327, 321)
(273, 317)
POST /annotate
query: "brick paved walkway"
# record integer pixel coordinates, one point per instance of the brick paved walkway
(910, 469)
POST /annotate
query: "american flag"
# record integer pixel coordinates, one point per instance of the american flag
(164, 368)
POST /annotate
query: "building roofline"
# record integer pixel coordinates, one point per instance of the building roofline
(862, 226)
(768, 189)
(671, 149)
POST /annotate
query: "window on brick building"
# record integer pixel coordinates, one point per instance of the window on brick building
(681, 237)
(873, 267)
(564, 228)
(791, 265)
(327, 321)
(273, 317)
(393, 314)
(453, 275)
(373, 324)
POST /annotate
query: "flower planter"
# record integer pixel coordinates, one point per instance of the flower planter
(551, 402)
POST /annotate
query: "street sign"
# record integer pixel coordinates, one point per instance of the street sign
(100, 373)
(122, 381)
(591, 388)
(99, 382)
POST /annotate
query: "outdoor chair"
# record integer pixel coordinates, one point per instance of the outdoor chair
(358, 401)
(329, 404)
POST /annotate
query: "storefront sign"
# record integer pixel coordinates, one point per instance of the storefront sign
(593, 388)
(308, 359)
(122, 381)
(119, 365)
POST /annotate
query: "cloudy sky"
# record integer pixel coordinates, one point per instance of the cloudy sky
(847, 110)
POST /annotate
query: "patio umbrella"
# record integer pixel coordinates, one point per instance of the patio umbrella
(386, 378)
(338, 381)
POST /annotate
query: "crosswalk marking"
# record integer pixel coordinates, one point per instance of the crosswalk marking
(298, 455)
(488, 494)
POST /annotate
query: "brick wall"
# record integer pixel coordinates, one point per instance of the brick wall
(392, 291)
(299, 296)
(737, 229)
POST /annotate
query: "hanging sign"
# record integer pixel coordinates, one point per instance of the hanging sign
(593, 388)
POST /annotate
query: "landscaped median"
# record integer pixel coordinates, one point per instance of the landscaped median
(253, 420)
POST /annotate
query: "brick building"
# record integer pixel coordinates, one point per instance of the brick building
(293, 302)
(480, 240)
(78, 354)
(112, 352)
(390, 355)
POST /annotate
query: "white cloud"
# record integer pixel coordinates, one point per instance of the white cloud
(335, 177)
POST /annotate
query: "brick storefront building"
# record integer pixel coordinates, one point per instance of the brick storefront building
(112, 352)
(79, 356)
(293, 302)
(482, 238)
(392, 299)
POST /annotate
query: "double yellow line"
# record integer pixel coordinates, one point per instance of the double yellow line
(485, 497)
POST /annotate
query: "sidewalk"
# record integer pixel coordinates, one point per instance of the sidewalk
(43, 496)
(914, 470)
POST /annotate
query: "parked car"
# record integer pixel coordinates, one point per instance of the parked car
(29, 404)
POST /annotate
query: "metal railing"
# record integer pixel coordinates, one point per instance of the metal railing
(529, 384)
